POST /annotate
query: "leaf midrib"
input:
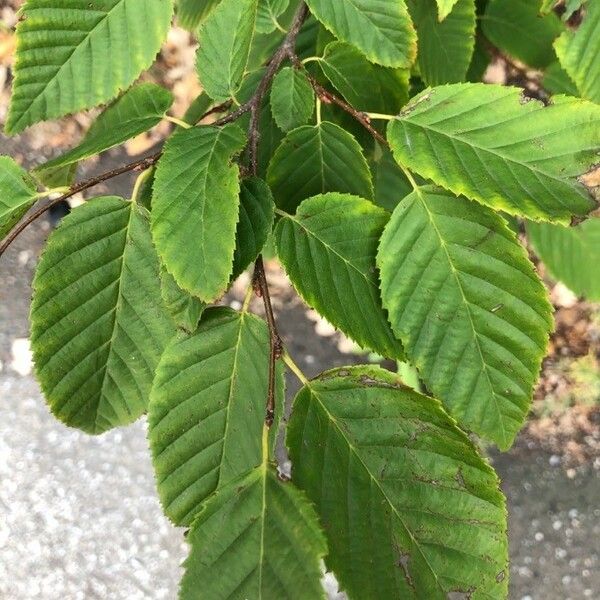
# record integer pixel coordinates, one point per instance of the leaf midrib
(102, 398)
(231, 392)
(329, 248)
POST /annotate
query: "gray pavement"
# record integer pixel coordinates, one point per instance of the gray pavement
(80, 517)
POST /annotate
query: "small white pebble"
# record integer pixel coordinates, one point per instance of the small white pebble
(557, 525)
(554, 460)
(573, 513)
(324, 328)
(24, 257)
(22, 357)
(235, 304)
(309, 359)
(539, 536)
(563, 296)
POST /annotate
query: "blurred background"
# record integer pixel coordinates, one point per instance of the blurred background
(79, 516)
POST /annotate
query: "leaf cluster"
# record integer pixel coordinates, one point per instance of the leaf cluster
(356, 139)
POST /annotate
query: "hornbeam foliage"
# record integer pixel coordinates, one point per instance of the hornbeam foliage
(98, 326)
(468, 306)
(359, 145)
(400, 488)
(495, 146)
(75, 54)
(18, 193)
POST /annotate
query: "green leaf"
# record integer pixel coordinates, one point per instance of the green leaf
(365, 86)
(142, 191)
(257, 213)
(18, 193)
(491, 144)
(267, 14)
(557, 81)
(185, 309)
(98, 324)
(197, 108)
(72, 54)
(516, 27)
(571, 254)
(391, 184)
(445, 8)
(328, 251)
(137, 110)
(444, 48)
(469, 308)
(547, 6)
(207, 409)
(195, 208)
(225, 40)
(313, 160)
(382, 31)
(264, 535)
(480, 61)
(409, 508)
(578, 53)
(190, 13)
(56, 177)
(571, 6)
(292, 99)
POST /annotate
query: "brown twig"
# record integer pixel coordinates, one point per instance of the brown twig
(330, 98)
(284, 51)
(261, 285)
(138, 165)
(220, 108)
